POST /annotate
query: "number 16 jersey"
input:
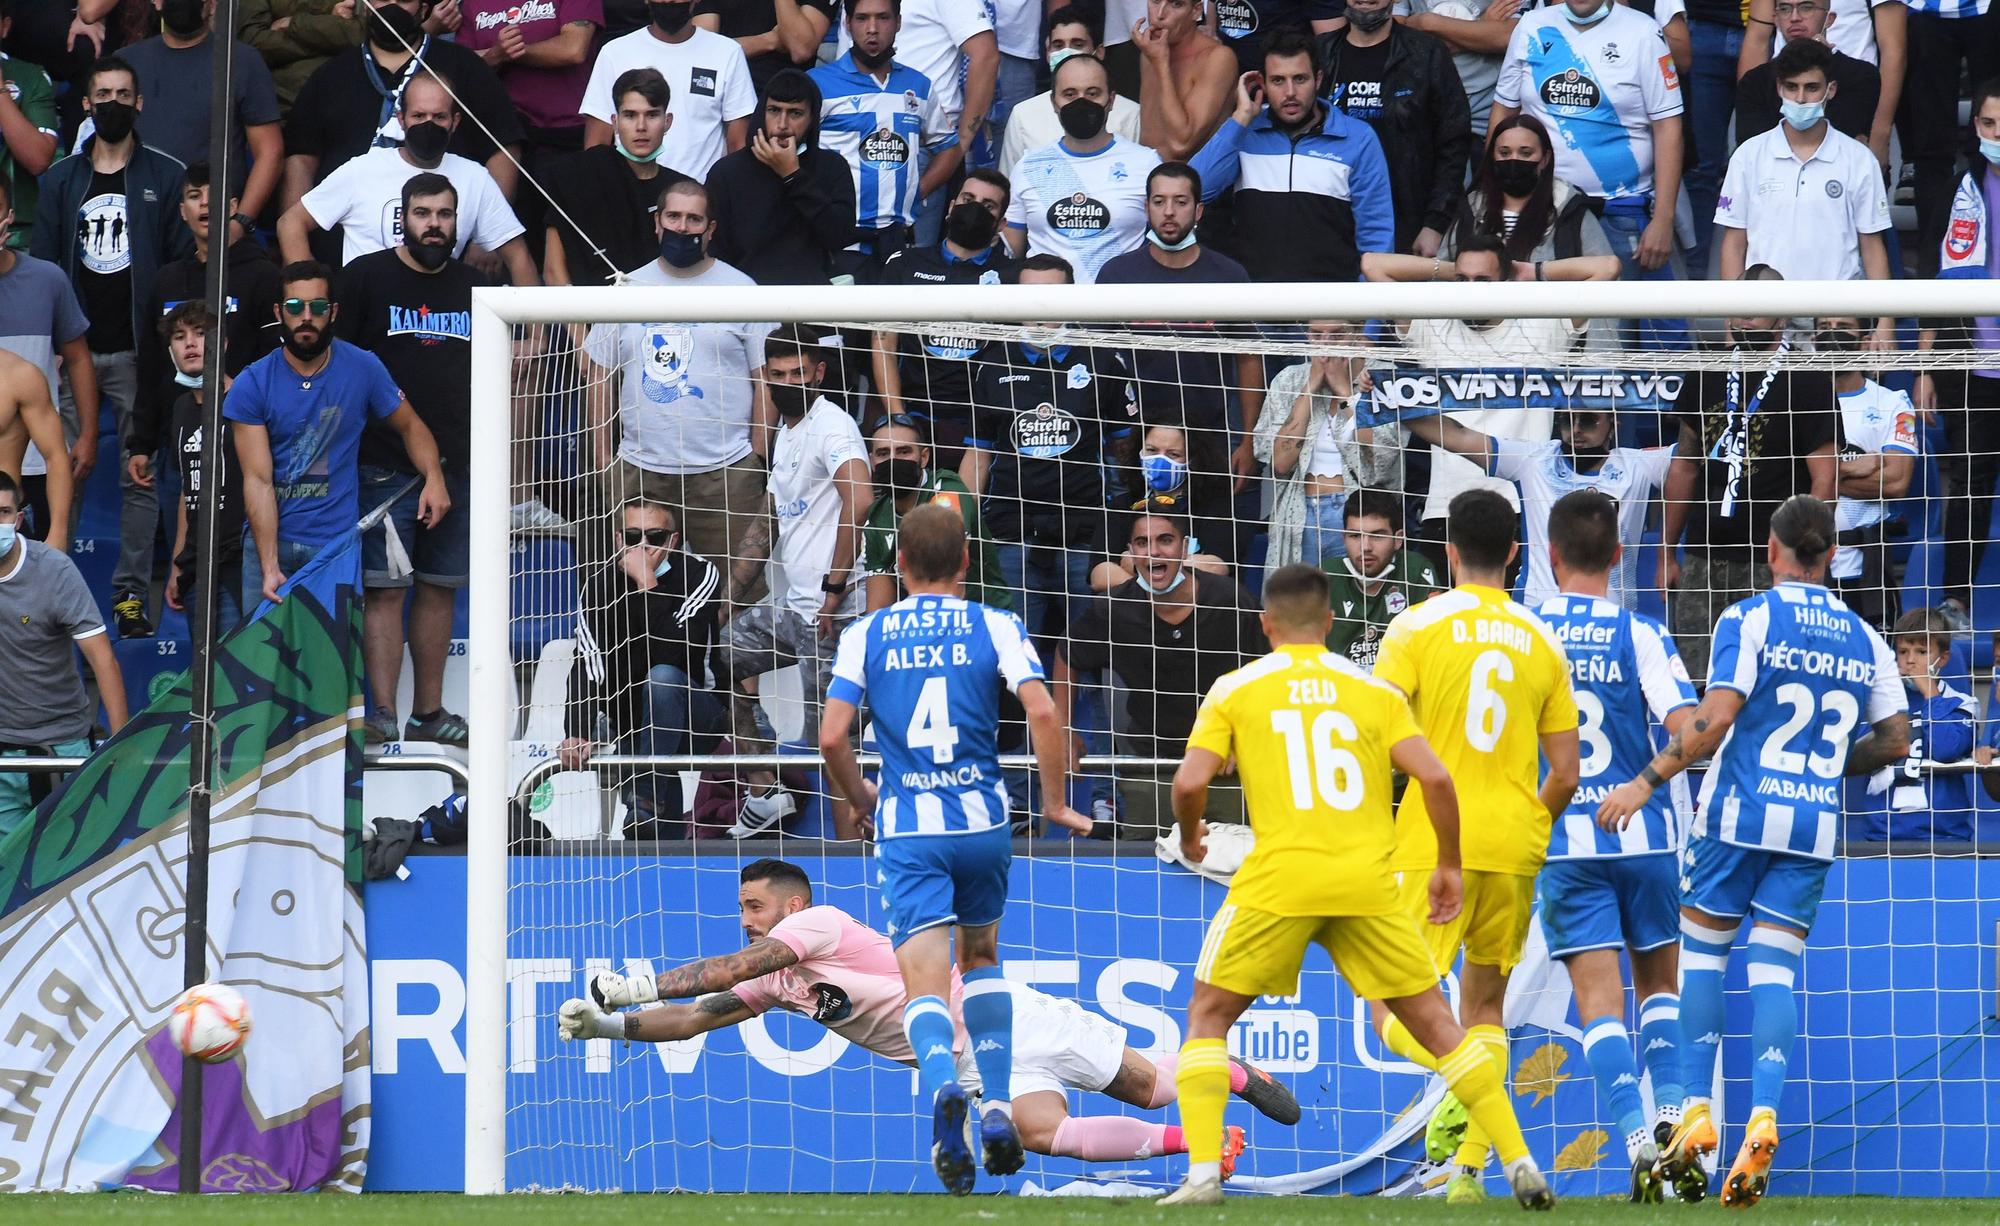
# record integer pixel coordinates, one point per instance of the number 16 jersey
(1485, 678)
(931, 668)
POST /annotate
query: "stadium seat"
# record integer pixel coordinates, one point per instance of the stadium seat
(96, 557)
(149, 666)
(545, 594)
(101, 502)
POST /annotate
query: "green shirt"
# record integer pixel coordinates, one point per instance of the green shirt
(29, 87)
(878, 539)
(1358, 618)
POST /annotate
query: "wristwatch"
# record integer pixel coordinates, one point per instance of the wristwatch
(833, 587)
(245, 220)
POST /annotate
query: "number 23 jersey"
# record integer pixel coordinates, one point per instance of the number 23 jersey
(1485, 678)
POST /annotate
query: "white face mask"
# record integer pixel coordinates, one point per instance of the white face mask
(186, 379)
(1180, 577)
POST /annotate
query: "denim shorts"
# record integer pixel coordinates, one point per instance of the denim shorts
(441, 555)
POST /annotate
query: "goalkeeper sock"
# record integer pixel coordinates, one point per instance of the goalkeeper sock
(1704, 954)
(1397, 1038)
(1660, 1041)
(989, 1027)
(1115, 1138)
(1203, 1081)
(1774, 1011)
(1480, 1084)
(928, 1024)
(1164, 1090)
(1609, 1050)
(1472, 1149)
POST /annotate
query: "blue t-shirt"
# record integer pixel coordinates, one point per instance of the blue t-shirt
(315, 426)
(1814, 677)
(931, 668)
(1622, 666)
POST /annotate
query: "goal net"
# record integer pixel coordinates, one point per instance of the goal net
(705, 486)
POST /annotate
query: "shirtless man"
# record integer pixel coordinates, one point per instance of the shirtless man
(823, 963)
(1187, 79)
(27, 414)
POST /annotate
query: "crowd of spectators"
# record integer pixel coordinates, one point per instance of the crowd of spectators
(739, 487)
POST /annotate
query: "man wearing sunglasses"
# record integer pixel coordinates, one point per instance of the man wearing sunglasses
(298, 415)
(648, 619)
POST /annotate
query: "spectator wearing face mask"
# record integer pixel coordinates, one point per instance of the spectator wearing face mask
(1517, 195)
(1879, 446)
(712, 99)
(295, 37)
(185, 331)
(784, 205)
(905, 478)
(603, 198)
(1073, 30)
(1082, 198)
(1854, 97)
(1182, 471)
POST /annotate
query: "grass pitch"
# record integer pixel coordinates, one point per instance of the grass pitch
(408, 1209)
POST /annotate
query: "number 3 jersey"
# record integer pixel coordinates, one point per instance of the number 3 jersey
(930, 669)
(1485, 679)
(1627, 678)
(1814, 677)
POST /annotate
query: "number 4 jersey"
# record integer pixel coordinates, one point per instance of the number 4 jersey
(1627, 678)
(1813, 676)
(930, 669)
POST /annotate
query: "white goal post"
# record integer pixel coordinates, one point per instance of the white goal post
(498, 312)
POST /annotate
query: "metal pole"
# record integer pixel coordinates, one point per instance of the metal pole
(201, 775)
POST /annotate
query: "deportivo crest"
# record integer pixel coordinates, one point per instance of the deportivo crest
(1961, 238)
(1396, 601)
(667, 355)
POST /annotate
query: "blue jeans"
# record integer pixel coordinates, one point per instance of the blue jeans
(1711, 100)
(1015, 85)
(1624, 222)
(1325, 529)
(678, 711)
(292, 558)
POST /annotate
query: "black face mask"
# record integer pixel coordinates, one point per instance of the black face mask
(429, 256)
(1755, 338)
(874, 63)
(426, 141)
(791, 399)
(670, 18)
(394, 28)
(1368, 22)
(900, 476)
(1840, 341)
(970, 226)
(1082, 118)
(184, 17)
(114, 120)
(1516, 177)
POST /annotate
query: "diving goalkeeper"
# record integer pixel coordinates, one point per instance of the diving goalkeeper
(822, 962)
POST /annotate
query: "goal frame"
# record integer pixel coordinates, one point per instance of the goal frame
(496, 311)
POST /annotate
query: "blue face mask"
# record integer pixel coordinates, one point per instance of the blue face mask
(1164, 474)
(1801, 115)
(1990, 150)
(1180, 577)
(1592, 18)
(1153, 237)
(187, 379)
(680, 250)
(8, 532)
(618, 142)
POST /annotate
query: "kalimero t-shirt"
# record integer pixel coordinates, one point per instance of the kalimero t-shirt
(420, 325)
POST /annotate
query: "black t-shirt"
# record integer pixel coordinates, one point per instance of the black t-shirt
(596, 188)
(1045, 416)
(1798, 415)
(936, 363)
(188, 420)
(420, 325)
(340, 110)
(1851, 110)
(104, 263)
(746, 18)
(1356, 83)
(1182, 387)
(1166, 668)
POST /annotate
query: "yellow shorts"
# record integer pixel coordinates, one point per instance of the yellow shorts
(1492, 926)
(1255, 953)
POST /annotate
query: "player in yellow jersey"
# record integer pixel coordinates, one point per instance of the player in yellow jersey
(1488, 683)
(1314, 740)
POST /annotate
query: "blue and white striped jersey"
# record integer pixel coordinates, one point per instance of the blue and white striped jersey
(931, 668)
(1628, 678)
(1814, 677)
(1949, 9)
(886, 130)
(1598, 88)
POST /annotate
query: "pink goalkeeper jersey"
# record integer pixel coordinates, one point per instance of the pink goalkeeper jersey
(846, 979)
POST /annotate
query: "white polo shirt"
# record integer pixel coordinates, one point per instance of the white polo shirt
(1804, 218)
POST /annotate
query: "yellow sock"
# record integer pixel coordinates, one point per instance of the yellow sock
(1203, 1081)
(1491, 1042)
(1397, 1038)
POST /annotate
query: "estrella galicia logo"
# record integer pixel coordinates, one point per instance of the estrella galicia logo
(430, 327)
(1572, 91)
(1235, 18)
(1045, 433)
(701, 82)
(1079, 216)
(885, 148)
(666, 360)
(831, 1005)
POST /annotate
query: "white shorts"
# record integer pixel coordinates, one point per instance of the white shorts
(1058, 1045)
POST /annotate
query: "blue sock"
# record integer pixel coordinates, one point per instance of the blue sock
(1660, 1040)
(1704, 954)
(1774, 1012)
(1609, 1050)
(989, 1026)
(928, 1023)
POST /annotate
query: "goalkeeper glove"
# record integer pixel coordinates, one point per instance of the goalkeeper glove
(612, 990)
(581, 1019)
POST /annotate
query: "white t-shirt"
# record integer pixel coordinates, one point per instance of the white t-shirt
(1804, 218)
(1118, 18)
(363, 198)
(1017, 27)
(684, 401)
(1085, 209)
(1630, 477)
(708, 82)
(1511, 342)
(1852, 31)
(929, 40)
(1874, 420)
(1598, 88)
(1034, 123)
(806, 500)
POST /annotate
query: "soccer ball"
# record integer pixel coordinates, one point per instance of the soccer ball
(210, 1022)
